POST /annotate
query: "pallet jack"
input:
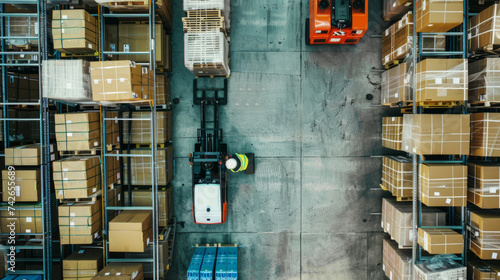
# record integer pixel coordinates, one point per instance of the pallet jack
(209, 173)
(336, 21)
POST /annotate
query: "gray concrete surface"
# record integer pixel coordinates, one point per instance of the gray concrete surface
(310, 211)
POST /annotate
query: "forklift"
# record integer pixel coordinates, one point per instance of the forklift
(208, 162)
(336, 21)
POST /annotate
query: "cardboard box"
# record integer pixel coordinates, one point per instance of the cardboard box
(27, 219)
(26, 185)
(484, 184)
(115, 198)
(394, 9)
(112, 129)
(162, 89)
(435, 134)
(440, 240)
(143, 198)
(121, 80)
(78, 131)
(485, 242)
(74, 31)
(23, 87)
(443, 184)
(484, 80)
(443, 269)
(397, 220)
(438, 15)
(141, 167)
(163, 259)
(28, 155)
(134, 37)
(130, 231)
(141, 130)
(121, 271)
(77, 177)
(397, 175)
(483, 30)
(392, 132)
(67, 80)
(395, 85)
(397, 264)
(482, 270)
(82, 264)
(485, 129)
(80, 222)
(442, 80)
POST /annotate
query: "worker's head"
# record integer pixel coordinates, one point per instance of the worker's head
(231, 163)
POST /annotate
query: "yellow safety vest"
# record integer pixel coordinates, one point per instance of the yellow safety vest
(243, 162)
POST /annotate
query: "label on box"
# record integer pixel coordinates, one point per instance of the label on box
(51, 148)
(22, 55)
(147, 242)
(65, 179)
(118, 139)
(119, 196)
(117, 175)
(388, 227)
(60, 192)
(415, 149)
(72, 214)
(396, 95)
(436, 193)
(394, 4)
(96, 144)
(456, 80)
(90, 46)
(494, 255)
(448, 200)
(52, 157)
(393, 119)
(135, 274)
(122, 80)
(69, 134)
(71, 224)
(106, 274)
(144, 70)
(81, 251)
(426, 244)
(64, 16)
(68, 85)
(476, 233)
(17, 190)
(28, 231)
(126, 47)
(410, 234)
(390, 275)
(407, 4)
(65, 169)
(68, 121)
(96, 82)
(118, 273)
(94, 189)
(95, 235)
(29, 219)
(108, 81)
(438, 81)
(383, 267)
(62, 30)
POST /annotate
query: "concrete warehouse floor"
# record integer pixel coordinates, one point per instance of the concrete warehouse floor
(312, 210)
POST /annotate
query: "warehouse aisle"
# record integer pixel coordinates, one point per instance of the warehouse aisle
(305, 214)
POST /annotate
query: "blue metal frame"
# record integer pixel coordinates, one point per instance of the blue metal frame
(417, 159)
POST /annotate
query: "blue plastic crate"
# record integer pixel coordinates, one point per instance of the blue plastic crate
(232, 270)
(220, 268)
(232, 253)
(23, 277)
(222, 253)
(207, 269)
(199, 253)
(210, 253)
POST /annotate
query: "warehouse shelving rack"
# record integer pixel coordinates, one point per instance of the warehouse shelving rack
(417, 55)
(124, 152)
(47, 199)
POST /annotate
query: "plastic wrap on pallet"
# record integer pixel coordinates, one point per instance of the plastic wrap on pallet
(396, 263)
(28, 219)
(440, 267)
(66, 80)
(140, 132)
(76, 177)
(395, 86)
(22, 27)
(26, 185)
(482, 270)
(485, 236)
(439, 15)
(397, 175)
(484, 81)
(436, 134)
(485, 129)
(442, 80)
(443, 184)
(392, 132)
(80, 222)
(141, 167)
(397, 220)
(484, 30)
(395, 9)
(484, 184)
(206, 54)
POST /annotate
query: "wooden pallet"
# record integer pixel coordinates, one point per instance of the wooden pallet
(203, 21)
(393, 63)
(159, 146)
(164, 11)
(432, 105)
(91, 152)
(400, 104)
(27, 47)
(93, 197)
(404, 198)
(488, 49)
(383, 188)
(488, 104)
(111, 147)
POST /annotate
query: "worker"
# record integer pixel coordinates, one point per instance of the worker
(237, 162)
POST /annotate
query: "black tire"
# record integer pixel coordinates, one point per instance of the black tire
(307, 35)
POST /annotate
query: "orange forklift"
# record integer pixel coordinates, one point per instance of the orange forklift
(336, 21)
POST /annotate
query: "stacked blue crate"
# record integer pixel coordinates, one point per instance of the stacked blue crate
(208, 265)
(195, 265)
(221, 264)
(232, 263)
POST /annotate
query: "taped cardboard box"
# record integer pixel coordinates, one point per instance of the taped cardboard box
(67, 80)
(485, 130)
(440, 269)
(440, 240)
(112, 129)
(436, 134)
(396, 263)
(121, 80)
(482, 270)
(141, 167)
(484, 184)
(82, 264)
(397, 175)
(484, 81)
(28, 155)
(141, 130)
(395, 9)
(121, 271)
(485, 240)
(442, 80)
(78, 131)
(392, 132)
(484, 30)
(130, 231)
(397, 220)
(25, 187)
(115, 198)
(164, 251)
(74, 31)
(443, 184)
(439, 15)
(23, 87)
(23, 27)
(395, 86)
(77, 177)
(162, 89)
(143, 198)
(27, 219)
(80, 222)
(134, 37)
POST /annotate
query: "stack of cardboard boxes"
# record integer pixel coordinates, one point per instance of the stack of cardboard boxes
(74, 31)
(485, 240)
(484, 184)
(83, 264)
(392, 132)
(130, 231)
(484, 81)
(397, 176)
(121, 271)
(23, 87)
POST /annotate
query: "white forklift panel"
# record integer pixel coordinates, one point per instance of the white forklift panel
(207, 204)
